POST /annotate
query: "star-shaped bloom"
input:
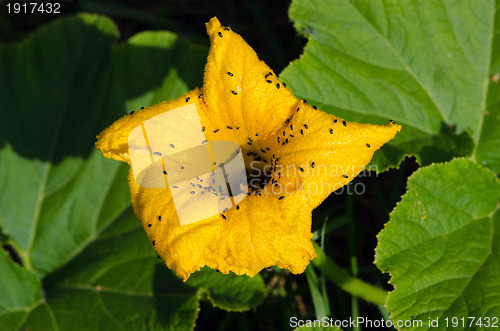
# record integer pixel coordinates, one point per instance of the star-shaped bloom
(295, 156)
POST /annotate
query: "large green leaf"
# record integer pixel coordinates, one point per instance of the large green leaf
(64, 208)
(424, 64)
(20, 290)
(487, 152)
(442, 245)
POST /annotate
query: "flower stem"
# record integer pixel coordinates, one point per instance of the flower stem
(346, 282)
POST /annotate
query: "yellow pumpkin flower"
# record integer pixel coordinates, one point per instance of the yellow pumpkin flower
(302, 155)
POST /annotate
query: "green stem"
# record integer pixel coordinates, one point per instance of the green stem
(324, 292)
(345, 281)
(352, 253)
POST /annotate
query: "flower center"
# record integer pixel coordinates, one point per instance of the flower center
(260, 167)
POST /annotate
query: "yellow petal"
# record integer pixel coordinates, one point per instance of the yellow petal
(113, 141)
(261, 232)
(319, 153)
(259, 106)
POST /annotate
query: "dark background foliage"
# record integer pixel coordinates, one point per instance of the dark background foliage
(264, 24)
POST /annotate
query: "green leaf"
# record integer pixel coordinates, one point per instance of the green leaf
(45, 140)
(229, 292)
(117, 280)
(487, 152)
(19, 292)
(442, 244)
(423, 64)
(64, 208)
